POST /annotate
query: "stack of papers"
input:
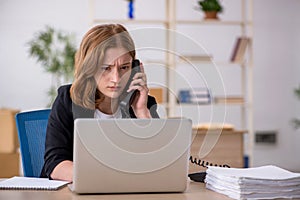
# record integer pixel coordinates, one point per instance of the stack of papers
(266, 182)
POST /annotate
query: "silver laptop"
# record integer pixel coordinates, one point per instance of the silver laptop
(131, 155)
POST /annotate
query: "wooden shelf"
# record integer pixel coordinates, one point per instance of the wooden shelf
(209, 104)
(212, 131)
(218, 63)
(128, 21)
(214, 22)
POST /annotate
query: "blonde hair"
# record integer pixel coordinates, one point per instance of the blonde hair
(90, 56)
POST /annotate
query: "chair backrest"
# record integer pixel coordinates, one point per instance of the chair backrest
(31, 128)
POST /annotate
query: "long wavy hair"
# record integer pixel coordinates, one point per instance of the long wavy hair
(90, 56)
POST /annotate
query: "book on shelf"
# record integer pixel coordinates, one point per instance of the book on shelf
(229, 99)
(200, 100)
(195, 96)
(239, 49)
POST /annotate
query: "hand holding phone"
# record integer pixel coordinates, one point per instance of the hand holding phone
(127, 101)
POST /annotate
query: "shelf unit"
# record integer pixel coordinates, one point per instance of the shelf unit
(246, 29)
(170, 22)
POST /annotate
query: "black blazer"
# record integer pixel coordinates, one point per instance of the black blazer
(59, 136)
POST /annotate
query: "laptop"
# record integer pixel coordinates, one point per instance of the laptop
(131, 155)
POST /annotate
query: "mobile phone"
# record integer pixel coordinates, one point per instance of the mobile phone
(126, 102)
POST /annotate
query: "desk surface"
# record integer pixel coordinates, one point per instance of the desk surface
(195, 191)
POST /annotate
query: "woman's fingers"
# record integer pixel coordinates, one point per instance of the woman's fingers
(138, 84)
(139, 79)
(142, 68)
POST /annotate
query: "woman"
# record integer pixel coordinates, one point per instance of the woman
(102, 70)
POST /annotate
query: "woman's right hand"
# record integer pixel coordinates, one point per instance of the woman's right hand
(63, 171)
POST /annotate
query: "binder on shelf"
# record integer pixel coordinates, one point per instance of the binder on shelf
(239, 49)
(195, 96)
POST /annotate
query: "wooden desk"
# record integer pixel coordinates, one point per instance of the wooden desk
(195, 191)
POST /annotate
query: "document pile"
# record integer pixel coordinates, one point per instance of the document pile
(266, 182)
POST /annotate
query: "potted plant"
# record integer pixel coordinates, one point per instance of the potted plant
(55, 51)
(211, 8)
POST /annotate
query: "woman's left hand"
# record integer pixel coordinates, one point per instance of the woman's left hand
(139, 105)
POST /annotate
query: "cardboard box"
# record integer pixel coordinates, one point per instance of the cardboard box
(9, 141)
(227, 150)
(9, 165)
(158, 94)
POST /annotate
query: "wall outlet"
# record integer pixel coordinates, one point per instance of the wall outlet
(266, 137)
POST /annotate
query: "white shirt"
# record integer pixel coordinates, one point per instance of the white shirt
(100, 115)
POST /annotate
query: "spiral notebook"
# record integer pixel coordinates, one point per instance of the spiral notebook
(30, 183)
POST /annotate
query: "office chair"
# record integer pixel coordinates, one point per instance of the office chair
(31, 128)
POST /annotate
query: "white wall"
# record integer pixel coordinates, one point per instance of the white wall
(23, 84)
(276, 74)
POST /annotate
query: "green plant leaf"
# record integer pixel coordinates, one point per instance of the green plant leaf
(55, 51)
(210, 5)
(296, 123)
(297, 92)
(52, 92)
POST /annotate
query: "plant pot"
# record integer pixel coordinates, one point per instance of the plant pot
(211, 15)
